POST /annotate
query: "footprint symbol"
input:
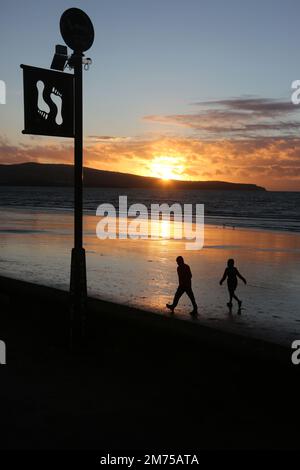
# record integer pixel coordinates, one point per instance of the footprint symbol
(56, 97)
(43, 108)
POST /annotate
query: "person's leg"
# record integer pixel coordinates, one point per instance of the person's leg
(238, 300)
(231, 292)
(177, 296)
(233, 295)
(190, 294)
(233, 287)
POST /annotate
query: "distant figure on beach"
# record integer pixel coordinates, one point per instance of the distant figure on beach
(185, 286)
(231, 273)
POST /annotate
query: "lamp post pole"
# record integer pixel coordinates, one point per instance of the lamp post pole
(78, 171)
(78, 285)
(78, 33)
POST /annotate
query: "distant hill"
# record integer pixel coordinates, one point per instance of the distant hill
(41, 174)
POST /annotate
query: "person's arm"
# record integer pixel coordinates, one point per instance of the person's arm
(224, 277)
(190, 272)
(241, 277)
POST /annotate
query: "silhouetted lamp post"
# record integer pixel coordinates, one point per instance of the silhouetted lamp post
(78, 33)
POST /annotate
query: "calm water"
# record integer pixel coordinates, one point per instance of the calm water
(264, 210)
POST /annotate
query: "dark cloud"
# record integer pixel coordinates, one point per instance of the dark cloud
(261, 106)
(99, 138)
(239, 117)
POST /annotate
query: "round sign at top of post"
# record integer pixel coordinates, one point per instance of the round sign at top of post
(77, 29)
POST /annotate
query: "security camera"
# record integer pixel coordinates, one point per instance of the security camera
(60, 57)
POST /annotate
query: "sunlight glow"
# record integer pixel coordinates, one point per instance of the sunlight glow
(166, 167)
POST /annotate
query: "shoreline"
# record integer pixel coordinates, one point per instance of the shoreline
(207, 334)
(217, 223)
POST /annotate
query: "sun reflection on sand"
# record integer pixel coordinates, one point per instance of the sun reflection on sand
(36, 246)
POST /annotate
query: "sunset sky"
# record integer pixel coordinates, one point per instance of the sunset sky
(188, 89)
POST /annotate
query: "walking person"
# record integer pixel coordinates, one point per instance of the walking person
(232, 274)
(185, 286)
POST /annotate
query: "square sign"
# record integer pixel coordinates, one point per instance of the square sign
(48, 102)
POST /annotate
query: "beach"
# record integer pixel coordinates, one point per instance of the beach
(149, 232)
(36, 244)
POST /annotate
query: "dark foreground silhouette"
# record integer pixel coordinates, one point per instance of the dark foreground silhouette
(232, 274)
(232, 392)
(185, 286)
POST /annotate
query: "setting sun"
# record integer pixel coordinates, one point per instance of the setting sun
(166, 168)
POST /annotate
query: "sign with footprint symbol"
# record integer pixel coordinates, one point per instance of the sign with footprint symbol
(48, 102)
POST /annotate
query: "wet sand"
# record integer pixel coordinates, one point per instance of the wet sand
(142, 273)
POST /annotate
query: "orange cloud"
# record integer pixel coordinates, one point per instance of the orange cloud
(248, 140)
(273, 162)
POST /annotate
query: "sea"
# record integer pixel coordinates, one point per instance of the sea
(265, 210)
